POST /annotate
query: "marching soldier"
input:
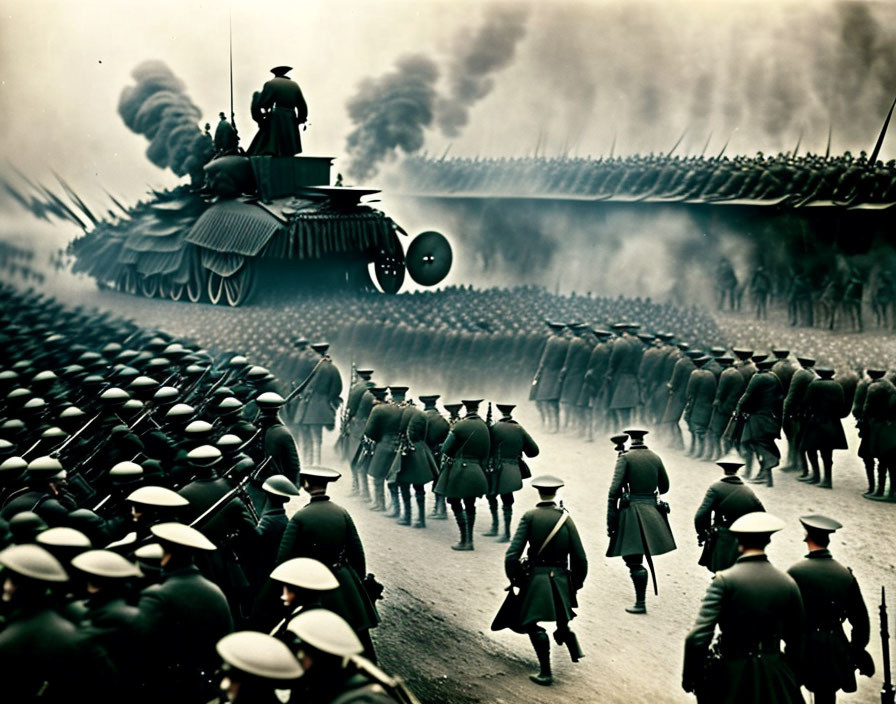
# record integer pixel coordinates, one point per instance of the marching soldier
(793, 413)
(254, 665)
(318, 403)
(325, 531)
(509, 442)
(729, 389)
(758, 422)
(700, 394)
(547, 380)
(755, 606)
(413, 465)
(360, 402)
(181, 618)
(356, 392)
(725, 501)
(622, 374)
(366, 447)
(876, 415)
(572, 374)
(276, 440)
(637, 521)
(823, 407)
(554, 571)
(831, 595)
(437, 429)
(677, 396)
(382, 428)
(465, 455)
(304, 582)
(596, 380)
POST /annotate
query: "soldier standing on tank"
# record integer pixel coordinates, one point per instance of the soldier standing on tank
(509, 442)
(547, 381)
(637, 521)
(226, 139)
(725, 501)
(278, 109)
(823, 407)
(463, 479)
(701, 392)
(831, 595)
(557, 570)
(318, 403)
(755, 606)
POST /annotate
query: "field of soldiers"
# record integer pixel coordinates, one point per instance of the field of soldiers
(432, 624)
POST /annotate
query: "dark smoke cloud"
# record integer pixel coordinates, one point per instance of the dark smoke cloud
(391, 113)
(158, 107)
(470, 74)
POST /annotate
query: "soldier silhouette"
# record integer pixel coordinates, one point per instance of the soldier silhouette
(279, 108)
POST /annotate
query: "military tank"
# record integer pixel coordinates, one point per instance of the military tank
(265, 218)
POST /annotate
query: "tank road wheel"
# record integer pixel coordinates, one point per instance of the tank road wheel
(238, 287)
(164, 287)
(176, 292)
(127, 282)
(194, 289)
(215, 287)
(149, 286)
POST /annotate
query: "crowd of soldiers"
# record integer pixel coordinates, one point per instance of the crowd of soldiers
(143, 486)
(797, 179)
(592, 380)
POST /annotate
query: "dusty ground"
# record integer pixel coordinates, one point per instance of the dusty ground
(439, 603)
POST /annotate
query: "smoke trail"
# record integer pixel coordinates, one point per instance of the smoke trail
(158, 107)
(391, 113)
(470, 72)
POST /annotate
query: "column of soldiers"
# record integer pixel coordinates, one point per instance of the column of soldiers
(143, 503)
(740, 401)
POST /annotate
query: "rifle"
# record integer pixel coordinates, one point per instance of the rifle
(238, 489)
(887, 693)
(394, 686)
(74, 435)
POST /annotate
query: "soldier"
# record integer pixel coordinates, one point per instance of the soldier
(344, 444)
(334, 671)
(572, 374)
(413, 464)
(823, 407)
(547, 380)
(276, 440)
(554, 570)
(437, 429)
(325, 531)
(509, 442)
(359, 404)
(637, 521)
(877, 415)
(622, 374)
(701, 392)
(254, 665)
(596, 379)
(278, 109)
(382, 428)
(304, 582)
(793, 413)
(758, 422)
(226, 139)
(181, 618)
(318, 403)
(755, 606)
(725, 501)
(830, 596)
(858, 405)
(366, 447)
(760, 287)
(44, 656)
(677, 397)
(44, 494)
(465, 455)
(729, 389)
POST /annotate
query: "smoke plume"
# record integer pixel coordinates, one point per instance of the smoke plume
(158, 107)
(470, 74)
(391, 113)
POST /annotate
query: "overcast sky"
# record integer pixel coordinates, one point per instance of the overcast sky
(581, 73)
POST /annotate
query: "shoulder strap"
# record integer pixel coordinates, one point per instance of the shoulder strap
(557, 526)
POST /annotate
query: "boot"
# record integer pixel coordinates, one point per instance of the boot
(701, 447)
(869, 474)
(379, 494)
(762, 477)
(355, 484)
(748, 465)
(441, 510)
(396, 508)
(421, 511)
(572, 644)
(405, 519)
(365, 487)
(471, 520)
(508, 516)
(815, 477)
(639, 580)
(461, 519)
(802, 464)
(542, 646)
(493, 531)
(826, 482)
